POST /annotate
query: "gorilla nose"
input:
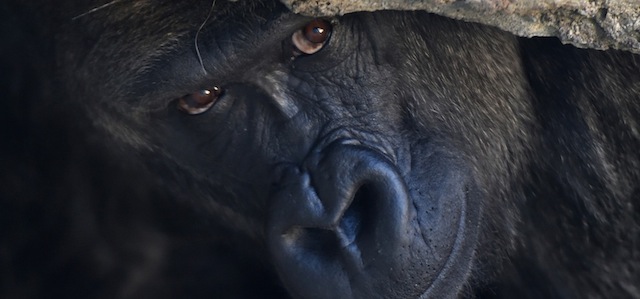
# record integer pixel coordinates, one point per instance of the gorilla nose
(337, 225)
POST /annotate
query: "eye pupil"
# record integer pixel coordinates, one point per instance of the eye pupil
(199, 102)
(201, 98)
(317, 31)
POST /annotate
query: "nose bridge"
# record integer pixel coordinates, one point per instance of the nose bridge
(273, 81)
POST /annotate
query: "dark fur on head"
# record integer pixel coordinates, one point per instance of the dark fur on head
(108, 192)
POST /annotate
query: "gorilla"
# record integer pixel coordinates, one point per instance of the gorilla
(232, 149)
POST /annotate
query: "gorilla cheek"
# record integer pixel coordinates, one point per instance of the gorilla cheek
(448, 212)
(345, 225)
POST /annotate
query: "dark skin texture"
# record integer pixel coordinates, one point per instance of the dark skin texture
(410, 156)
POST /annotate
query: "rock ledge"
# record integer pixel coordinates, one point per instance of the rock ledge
(598, 24)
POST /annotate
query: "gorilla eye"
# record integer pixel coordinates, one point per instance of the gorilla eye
(200, 101)
(312, 37)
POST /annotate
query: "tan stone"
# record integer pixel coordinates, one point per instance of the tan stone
(599, 24)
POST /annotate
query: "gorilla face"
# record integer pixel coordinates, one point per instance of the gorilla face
(361, 156)
(358, 161)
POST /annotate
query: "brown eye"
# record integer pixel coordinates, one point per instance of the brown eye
(312, 37)
(200, 101)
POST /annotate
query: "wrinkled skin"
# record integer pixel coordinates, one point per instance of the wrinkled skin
(412, 156)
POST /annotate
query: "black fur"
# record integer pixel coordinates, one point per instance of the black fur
(108, 191)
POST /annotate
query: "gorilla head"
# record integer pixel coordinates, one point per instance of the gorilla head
(373, 155)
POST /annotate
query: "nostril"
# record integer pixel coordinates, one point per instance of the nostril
(318, 242)
(356, 220)
(354, 227)
(342, 223)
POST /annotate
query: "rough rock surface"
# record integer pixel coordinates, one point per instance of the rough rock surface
(599, 24)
